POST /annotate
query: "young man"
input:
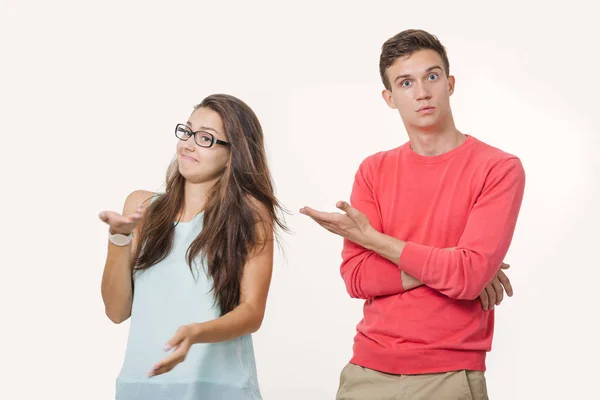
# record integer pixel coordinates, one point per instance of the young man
(425, 235)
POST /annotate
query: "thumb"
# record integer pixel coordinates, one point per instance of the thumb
(347, 208)
(505, 266)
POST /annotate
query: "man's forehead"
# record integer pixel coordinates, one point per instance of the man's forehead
(419, 60)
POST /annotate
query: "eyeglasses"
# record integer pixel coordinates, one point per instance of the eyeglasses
(202, 138)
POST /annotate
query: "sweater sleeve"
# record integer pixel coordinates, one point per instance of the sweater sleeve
(464, 272)
(365, 273)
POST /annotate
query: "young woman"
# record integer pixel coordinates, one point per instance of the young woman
(192, 266)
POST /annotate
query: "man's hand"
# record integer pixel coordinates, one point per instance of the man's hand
(353, 225)
(409, 282)
(493, 294)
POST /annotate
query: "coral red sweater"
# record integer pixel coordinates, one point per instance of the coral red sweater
(468, 198)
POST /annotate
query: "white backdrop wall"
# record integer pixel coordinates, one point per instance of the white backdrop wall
(89, 95)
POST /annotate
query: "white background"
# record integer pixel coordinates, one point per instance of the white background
(89, 95)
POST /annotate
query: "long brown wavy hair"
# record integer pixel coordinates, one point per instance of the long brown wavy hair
(231, 220)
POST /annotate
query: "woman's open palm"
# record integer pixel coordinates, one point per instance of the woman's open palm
(124, 224)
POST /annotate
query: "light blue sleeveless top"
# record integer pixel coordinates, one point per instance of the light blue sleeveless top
(167, 296)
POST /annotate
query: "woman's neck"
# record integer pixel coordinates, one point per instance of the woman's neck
(195, 198)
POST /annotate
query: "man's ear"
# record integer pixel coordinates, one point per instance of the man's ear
(451, 83)
(387, 96)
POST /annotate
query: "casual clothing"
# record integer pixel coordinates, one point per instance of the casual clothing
(359, 383)
(467, 198)
(167, 296)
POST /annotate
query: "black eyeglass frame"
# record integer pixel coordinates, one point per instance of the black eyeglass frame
(214, 140)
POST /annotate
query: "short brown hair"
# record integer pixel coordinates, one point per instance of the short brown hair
(404, 44)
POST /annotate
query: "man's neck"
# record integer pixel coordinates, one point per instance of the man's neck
(435, 141)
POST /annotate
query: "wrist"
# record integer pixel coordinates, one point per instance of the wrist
(120, 239)
(373, 240)
(196, 331)
(113, 232)
(386, 246)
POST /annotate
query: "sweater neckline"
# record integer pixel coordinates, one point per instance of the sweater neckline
(430, 160)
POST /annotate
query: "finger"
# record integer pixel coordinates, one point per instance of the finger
(137, 214)
(499, 290)
(504, 266)
(483, 297)
(112, 216)
(118, 221)
(318, 221)
(168, 363)
(308, 211)
(106, 215)
(158, 371)
(165, 365)
(175, 340)
(130, 219)
(163, 369)
(330, 227)
(506, 283)
(491, 295)
(113, 219)
(140, 210)
(320, 215)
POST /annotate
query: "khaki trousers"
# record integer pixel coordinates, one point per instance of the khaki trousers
(359, 383)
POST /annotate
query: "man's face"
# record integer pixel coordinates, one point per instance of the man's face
(420, 90)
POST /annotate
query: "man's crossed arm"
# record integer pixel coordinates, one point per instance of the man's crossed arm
(354, 226)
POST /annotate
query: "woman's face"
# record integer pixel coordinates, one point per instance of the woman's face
(200, 164)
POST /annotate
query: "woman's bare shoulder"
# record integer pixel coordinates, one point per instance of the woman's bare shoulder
(137, 198)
